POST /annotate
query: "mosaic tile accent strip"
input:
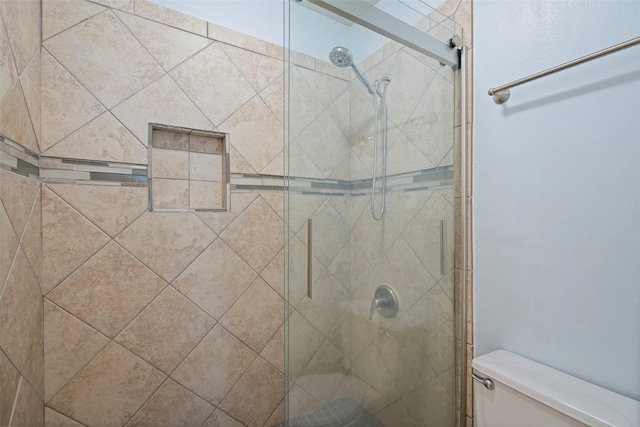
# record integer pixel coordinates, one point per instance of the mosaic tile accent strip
(17, 159)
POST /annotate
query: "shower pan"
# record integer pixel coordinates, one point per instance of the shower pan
(371, 294)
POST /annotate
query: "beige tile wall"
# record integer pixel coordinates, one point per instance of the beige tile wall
(21, 313)
(155, 316)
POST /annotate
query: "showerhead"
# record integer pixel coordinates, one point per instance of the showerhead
(342, 57)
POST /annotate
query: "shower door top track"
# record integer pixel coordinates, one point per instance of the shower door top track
(389, 26)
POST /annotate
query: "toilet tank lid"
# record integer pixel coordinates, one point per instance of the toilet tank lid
(578, 399)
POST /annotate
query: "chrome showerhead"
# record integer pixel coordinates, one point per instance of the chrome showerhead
(341, 57)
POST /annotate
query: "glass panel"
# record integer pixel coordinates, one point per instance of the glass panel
(351, 358)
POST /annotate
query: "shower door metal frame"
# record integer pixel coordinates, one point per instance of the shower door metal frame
(368, 16)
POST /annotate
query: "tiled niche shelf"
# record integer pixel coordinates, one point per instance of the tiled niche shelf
(188, 169)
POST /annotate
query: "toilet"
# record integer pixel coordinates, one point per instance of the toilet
(512, 391)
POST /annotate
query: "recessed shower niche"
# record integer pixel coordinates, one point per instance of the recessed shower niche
(188, 169)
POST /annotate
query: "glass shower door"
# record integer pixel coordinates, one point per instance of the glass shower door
(351, 358)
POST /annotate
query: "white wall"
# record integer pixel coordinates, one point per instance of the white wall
(557, 188)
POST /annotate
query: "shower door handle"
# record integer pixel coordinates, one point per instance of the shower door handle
(310, 258)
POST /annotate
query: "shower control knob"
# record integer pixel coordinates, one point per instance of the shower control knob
(385, 302)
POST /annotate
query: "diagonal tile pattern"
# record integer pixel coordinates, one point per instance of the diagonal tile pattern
(204, 76)
(126, 383)
(215, 365)
(121, 55)
(68, 239)
(258, 223)
(109, 290)
(153, 238)
(180, 331)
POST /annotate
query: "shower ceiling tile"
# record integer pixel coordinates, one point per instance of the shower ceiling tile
(68, 239)
(256, 395)
(206, 77)
(215, 365)
(15, 120)
(183, 325)
(112, 208)
(256, 133)
(69, 345)
(113, 66)
(256, 315)
(259, 70)
(109, 290)
(60, 116)
(59, 15)
(18, 194)
(169, 46)
(216, 279)
(22, 20)
(256, 235)
(104, 139)
(166, 241)
(126, 383)
(172, 405)
(160, 102)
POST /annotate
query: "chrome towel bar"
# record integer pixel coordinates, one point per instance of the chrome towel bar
(501, 93)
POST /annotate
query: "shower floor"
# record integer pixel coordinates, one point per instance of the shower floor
(345, 412)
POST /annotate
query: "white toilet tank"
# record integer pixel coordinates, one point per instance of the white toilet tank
(528, 394)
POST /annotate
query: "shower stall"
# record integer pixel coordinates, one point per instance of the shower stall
(371, 159)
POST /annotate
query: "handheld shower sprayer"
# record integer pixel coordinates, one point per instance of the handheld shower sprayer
(343, 58)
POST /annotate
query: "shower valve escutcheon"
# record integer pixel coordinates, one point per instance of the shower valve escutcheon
(385, 302)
